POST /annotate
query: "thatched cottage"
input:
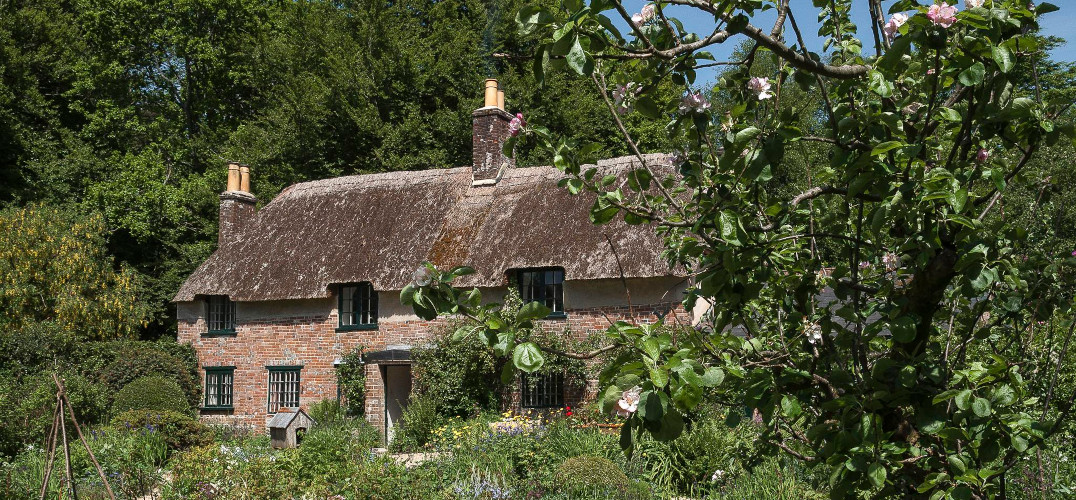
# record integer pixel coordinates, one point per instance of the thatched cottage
(318, 270)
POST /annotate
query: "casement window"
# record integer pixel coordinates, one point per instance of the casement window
(541, 390)
(218, 387)
(545, 286)
(220, 315)
(283, 387)
(358, 306)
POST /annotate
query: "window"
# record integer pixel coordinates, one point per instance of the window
(220, 317)
(283, 387)
(545, 286)
(358, 307)
(218, 387)
(541, 390)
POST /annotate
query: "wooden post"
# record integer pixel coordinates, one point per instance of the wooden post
(52, 451)
(67, 449)
(82, 438)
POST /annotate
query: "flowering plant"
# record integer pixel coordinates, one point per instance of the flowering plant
(907, 374)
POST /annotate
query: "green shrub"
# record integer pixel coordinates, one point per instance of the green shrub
(178, 430)
(351, 381)
(151, 393)
(460, 377)
(171, 360)
(420, 419)
(327, 412)
(687, 464)
(29, 404)
(589, 475)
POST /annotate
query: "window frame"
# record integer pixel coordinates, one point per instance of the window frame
(371, 301)
(228, 313)
(540, 272)
(542, 391)
(282, 369)
(221, 371)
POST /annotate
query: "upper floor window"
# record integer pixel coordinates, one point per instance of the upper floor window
(358, 306)
(545, 286)
(541, 390)
(220, 314)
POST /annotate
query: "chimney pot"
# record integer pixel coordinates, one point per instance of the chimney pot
(233, 177)
(500, 99)
(244, 178)
(490, 100)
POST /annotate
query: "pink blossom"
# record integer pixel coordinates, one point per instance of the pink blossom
(760, 86)
(943, 14)
(623, 95)
(972, 4)
(930, 71)
(892, 27)
(1074, 253)
(637, 19)
(648, 12)
(629, 402)
(694, 102)
(516, 124)
(982, 156)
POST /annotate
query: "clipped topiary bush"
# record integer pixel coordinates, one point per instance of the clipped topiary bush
(151, 393)
(179, 431)
(144, 359)
(591, 474)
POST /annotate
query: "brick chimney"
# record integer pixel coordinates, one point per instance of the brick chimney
(490, 129)
(236, 204)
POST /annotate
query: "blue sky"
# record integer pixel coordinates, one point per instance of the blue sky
(1057, 23)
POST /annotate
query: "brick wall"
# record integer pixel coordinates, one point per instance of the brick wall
(304, 333)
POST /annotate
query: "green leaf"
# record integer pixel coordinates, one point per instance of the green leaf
(876, 472)
(527, 357)
(532, 310)
(948, 114)
(652, 348)
(790, 406)
(1003, 57)
(973, 75)
(903, 329)
(713, 376)
(880, 85)
(577, 58)
(885, 147)
(980, 407)
(659, 376)
(963, 399)
(647, 107)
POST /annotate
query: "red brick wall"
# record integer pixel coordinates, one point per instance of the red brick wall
(311, 340)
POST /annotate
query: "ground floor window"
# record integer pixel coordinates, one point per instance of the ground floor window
(218, 387)
(283, 387)
(542, 390)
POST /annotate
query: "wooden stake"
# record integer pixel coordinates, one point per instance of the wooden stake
(67, 449)
(82, 438)
(52, 450)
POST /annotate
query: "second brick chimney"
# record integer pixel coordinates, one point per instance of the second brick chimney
(237, 205)
(490, 129)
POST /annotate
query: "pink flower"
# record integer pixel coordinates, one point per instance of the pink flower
(892, 27)
(648, 12)
(637, 19)
(1074, 253)
(694, 102)
(622, 96)
(629, 402)
(943, 15)
(930, 71)
(972, 4)
(516, 124)
(982, 155)
(760, 86)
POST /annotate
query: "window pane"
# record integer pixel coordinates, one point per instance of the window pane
(283, 389)
(347, 307)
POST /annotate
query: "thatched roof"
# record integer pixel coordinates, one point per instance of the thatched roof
(380, 227)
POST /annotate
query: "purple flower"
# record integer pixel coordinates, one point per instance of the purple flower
(982, 156)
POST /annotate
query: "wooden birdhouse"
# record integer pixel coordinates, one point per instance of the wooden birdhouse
(288, 426)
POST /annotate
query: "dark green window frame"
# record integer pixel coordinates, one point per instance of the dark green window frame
(219, 387)
(357, 307)
(220, 316)
(544, 285)
(285, 387)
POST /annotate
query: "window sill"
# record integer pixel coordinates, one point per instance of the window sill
(219, 333)
(557, 315)
(356, 328)
(218, 408)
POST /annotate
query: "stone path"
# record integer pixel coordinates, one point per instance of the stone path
(409, 460)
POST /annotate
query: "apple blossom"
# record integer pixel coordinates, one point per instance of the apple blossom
(516, 124)
(694, 102)
(971, 4)
(893, 25)
(943, 14)
(648, 12)
(760, 86)
(629, 402)
(637, 19)
(982, 156)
